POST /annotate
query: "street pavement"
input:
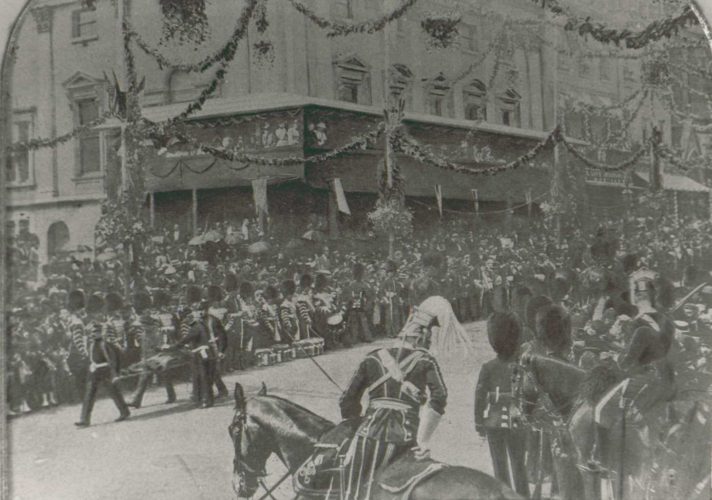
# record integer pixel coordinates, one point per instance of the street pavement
(178, 452)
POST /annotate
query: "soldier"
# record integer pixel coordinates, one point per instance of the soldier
(149, 332)
(357, 297)
(245, 323)
(217, 333)
(103, 363)
(393, 289)
(494, 404)
(426, 285)
(232, 306)
(268, 317)
(289, 322)
(116, 334)
(197, 337)
(304, 302)
(398, 381)
(77, 353)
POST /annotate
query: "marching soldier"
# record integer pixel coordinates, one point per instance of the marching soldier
(197, 337)
(103, 363)
(77, 353)
(289, 322)
(217, 333)
(495, 407)
(149, 332)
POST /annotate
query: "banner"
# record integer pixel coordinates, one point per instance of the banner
(259, 192)
(475, 200)
(341, 202)
(439, 198)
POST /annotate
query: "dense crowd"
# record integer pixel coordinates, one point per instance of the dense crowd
(338, 291)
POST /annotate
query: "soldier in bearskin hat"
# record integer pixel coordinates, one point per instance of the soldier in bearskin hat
(358, 298)
(494, 404)
(288, 319)
(104, 363)
(197, 338)
(77, 355)
(247, 325)
(553, 330)
(232, 307)
(304, 302)
(147, 328)
(268, 319)
(218, 335)
(116, 333)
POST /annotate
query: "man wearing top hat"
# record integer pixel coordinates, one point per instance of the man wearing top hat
(103, 363)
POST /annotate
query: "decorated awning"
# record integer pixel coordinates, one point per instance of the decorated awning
(674, 182)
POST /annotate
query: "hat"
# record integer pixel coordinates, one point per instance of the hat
(161, 298)
(246, 289)
(504, 332)
(75, 300)
(230, 282)
(533, 306)
(213, 293)
(437, 310)
(141, 301)
(95, 304)
(288, 287)
(192, 294)
(114, 302)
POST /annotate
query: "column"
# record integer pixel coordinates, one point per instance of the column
(194, 215)
(152, 208)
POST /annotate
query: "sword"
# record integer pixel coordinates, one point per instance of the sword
(688, 297)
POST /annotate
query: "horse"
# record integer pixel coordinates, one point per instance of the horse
(264, 425)
(573, 393)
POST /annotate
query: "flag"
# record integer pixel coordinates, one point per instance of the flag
(439, 198)
(475, 199)
(341, 197)
(259, 192)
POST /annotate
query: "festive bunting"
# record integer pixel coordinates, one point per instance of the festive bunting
(35, 144)
(342, 29)
(599, 166)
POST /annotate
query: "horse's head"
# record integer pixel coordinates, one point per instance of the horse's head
(252, 447)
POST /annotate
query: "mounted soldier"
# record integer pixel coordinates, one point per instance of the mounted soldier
(398, 382)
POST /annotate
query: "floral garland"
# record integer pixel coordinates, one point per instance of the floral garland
(161, 131)
(118, 225)
(655, 31)
(391, 217)
(481, 58)
(343, 29)
(666, 153)
(404, 143)
(225, 53)
(45, 142)
(185, 19)
(599, 166)
(689, 88)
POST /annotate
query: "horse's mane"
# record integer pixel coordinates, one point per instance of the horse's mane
(286, 418)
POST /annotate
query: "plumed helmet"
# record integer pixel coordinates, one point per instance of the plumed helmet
(553, 328)
(114, 302)
(230, 282)
(142, 301)
(75, 300)
(161, 298)
(193, 295)
(504, 332)
(95, 304)
(436, 310)
(533, 306)
(213, 293)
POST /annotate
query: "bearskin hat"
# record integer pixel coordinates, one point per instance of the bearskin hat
(192, 294)
(504, 332)
(321, 281)
(246, 289)
(75, 300)
(95, 304)
(114, 302)
(553, 328)
(230, 282)
(271, 293)
(161, 298)
(664, 291)
(604, 246)
(359, 270)
(432, 260)
(213, 293)
(306, 280)
(288, 287)
(142, 301)
(533, 306)
(630, 263)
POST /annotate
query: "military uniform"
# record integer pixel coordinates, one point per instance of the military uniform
(218, 343)
(357, 297)
(288, 321)
(77, 352)
(396, 381)
(203, 359)
(151, 338)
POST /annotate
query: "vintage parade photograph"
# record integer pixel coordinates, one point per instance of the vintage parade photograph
(356, 249)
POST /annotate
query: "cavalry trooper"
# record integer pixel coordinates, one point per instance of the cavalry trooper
(77, 354)
(217, 333)
(103, 363)
(495, 417)
(149, 331)
(197, 337)
(397, 381)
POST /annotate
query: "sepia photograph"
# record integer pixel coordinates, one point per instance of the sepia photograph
(356, 249)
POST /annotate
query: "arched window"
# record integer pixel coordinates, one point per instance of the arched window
(57, 238)
(475, 101)
(438, 91)
(509, 108)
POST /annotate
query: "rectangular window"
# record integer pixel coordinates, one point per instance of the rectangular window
(437, 105)
(84, 24)
(348, 91)
(89, 141)
(19, 166)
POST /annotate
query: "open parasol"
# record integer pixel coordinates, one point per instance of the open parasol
(314, 235)
(259, 247)
(196, 240)
(212, 236)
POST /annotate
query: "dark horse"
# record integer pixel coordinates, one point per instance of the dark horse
(630, 449)
(264, 425)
